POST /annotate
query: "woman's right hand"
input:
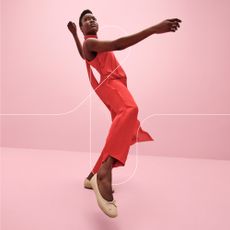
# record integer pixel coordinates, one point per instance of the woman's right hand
(168, 25)
(72, 27)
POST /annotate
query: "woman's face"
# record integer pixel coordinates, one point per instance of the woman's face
(89, 24)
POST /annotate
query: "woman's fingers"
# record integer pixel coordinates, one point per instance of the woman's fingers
(176, 23)
(71, 23)
(174, 20)
(174, 26)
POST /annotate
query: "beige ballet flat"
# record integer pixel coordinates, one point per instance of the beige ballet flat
(108, 207)
(88, 185)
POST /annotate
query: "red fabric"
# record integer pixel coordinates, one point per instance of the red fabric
(112, 89)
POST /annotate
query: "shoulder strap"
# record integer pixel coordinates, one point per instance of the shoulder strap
(92, 79)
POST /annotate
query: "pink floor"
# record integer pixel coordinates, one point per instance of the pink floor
(42, 190)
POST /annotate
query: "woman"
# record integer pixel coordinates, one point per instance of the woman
(112, 89)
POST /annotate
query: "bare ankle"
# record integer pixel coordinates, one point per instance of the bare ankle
(103, 172)
(90, 176)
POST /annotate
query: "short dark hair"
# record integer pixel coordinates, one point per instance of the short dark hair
(82, 14)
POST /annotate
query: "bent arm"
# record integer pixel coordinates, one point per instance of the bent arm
(73, 29)
(79, 45)
(92, 44)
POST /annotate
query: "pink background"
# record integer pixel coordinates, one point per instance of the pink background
(44, 80)
(47, 133)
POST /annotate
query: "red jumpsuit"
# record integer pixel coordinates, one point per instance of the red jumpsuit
(112, 90)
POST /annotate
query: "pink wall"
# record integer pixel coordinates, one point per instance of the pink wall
(44, 80)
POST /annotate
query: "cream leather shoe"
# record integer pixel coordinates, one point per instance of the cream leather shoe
(108, 207)
(87, 184)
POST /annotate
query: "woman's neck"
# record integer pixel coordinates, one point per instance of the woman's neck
(90, 36)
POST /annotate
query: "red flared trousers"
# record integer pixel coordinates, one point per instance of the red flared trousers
(125, 129)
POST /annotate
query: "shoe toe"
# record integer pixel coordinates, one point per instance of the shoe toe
(108, 207)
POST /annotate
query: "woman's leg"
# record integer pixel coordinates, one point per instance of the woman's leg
(119, 138)
(113, 115)
(118, 141)
(90, 175)
(104, 178)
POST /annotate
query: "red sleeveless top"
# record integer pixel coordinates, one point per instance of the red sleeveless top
(106, 65)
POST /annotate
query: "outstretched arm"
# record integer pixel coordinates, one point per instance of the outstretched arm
(95, 45)
(73, 29)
